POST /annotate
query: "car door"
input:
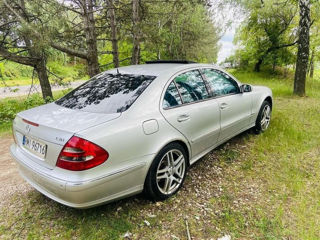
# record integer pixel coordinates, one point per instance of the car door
(235, 107)
(188, 108)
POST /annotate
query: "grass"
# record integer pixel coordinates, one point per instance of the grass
(253, 187)
(280, 85)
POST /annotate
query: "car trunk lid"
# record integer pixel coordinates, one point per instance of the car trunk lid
(42, 132)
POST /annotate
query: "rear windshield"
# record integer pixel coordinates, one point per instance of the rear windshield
(107, 93)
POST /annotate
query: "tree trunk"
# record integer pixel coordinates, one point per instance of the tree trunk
(114, 33)
(303, 49)
(36, 58)
(312, 63)
(274, 67)
(91, 38)
(135, 32)
(258, 65)
(41, 70)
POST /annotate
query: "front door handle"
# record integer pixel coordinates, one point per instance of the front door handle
(223, 105)
(183, 117)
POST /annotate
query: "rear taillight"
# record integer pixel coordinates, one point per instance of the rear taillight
(79, 154)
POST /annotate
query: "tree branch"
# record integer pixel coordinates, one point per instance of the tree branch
(76, 53)
(30, 61)
(281, 46)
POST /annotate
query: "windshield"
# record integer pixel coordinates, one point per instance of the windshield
(107, 93)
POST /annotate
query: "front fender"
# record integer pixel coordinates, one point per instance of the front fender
(260, 93)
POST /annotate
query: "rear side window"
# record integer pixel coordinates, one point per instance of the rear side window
(191, 86)
(171, 97)
(220, 83)
(107, 93)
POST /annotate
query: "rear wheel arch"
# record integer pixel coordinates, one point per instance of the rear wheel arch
(182, 143)
(185, 147)
(151, 187)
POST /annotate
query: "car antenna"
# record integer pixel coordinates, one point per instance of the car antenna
(118, 71)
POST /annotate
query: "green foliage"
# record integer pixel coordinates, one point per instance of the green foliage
(15, 74)
(265, 34)
(10, 70)
(181, 30)
(9, 107)
(72, 72)
(125, 50)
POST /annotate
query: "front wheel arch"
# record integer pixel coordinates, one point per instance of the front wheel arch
(269, 100)
(258, 128)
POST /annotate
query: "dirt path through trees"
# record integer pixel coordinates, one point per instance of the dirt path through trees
(10, 180)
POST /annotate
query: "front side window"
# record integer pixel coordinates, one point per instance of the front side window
(220, 83)
(107, 93)
(171, 97)
(191, 86)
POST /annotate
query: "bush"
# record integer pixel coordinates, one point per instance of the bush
(10, 107)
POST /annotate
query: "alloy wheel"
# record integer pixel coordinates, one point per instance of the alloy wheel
(266, 116)
(170, 171)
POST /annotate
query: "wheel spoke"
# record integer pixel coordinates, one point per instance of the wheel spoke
(171, 163)
(167, 184)
(179, 174)
(168, 158)
(159, 177)
(264, 114)
(178, 162)
(162, 170)
(268, 111)
(178, 180)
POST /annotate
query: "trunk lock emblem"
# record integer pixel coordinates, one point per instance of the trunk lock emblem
(28, 128)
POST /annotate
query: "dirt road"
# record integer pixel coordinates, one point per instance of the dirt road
(10, 180)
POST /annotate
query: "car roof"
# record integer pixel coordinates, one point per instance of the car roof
(156, 69)
(146, 69)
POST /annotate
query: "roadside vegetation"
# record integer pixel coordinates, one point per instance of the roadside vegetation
(13, 74)
(9, 107)
(253, 187)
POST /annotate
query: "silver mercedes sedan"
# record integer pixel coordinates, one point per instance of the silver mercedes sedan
(133, 129)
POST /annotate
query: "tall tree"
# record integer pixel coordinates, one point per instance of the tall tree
(267, 32)
(303, 48)
(114, 32)
(22, 40)
(135, 32)
(180, 29)
(314, 37)
(77, 35)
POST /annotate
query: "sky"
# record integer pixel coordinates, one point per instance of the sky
(227, 47)
(233, 17)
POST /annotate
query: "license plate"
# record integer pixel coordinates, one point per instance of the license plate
(36, 147)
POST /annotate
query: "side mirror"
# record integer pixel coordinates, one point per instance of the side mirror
(245, 88)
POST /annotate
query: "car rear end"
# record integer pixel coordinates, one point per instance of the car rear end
(64, 165)
(56, 161)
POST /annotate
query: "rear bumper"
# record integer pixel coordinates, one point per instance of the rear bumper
(82, 194)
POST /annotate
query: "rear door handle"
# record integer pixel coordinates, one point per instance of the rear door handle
(183, 117)
(223, 105)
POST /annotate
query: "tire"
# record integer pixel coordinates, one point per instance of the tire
(164, 179)
(264, 117)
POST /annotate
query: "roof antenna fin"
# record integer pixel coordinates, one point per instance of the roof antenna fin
(118, 71)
